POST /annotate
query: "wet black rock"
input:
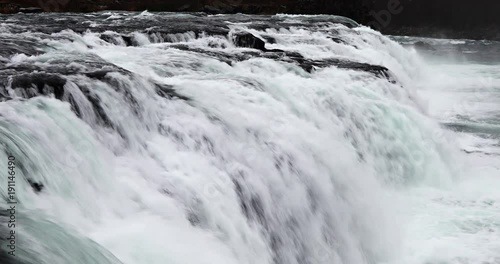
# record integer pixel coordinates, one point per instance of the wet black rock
(117, 39)
(248, 40)
(377, 70)
(99, 74)
(39, 84)
(28, 81)
(296, 58)
(37, 186)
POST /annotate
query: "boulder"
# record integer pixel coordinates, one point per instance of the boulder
(248, 40)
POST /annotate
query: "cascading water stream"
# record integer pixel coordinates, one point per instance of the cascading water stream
(202, 146)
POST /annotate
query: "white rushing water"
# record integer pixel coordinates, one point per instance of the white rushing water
(264, 163)
(460, 224)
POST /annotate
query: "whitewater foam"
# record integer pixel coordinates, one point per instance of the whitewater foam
(213, 153)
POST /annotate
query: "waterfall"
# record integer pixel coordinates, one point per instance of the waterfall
(176, 138)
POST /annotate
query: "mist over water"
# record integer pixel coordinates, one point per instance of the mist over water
(160, 138)
(460, 224)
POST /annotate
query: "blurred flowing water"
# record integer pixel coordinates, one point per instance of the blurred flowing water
(178, 138)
